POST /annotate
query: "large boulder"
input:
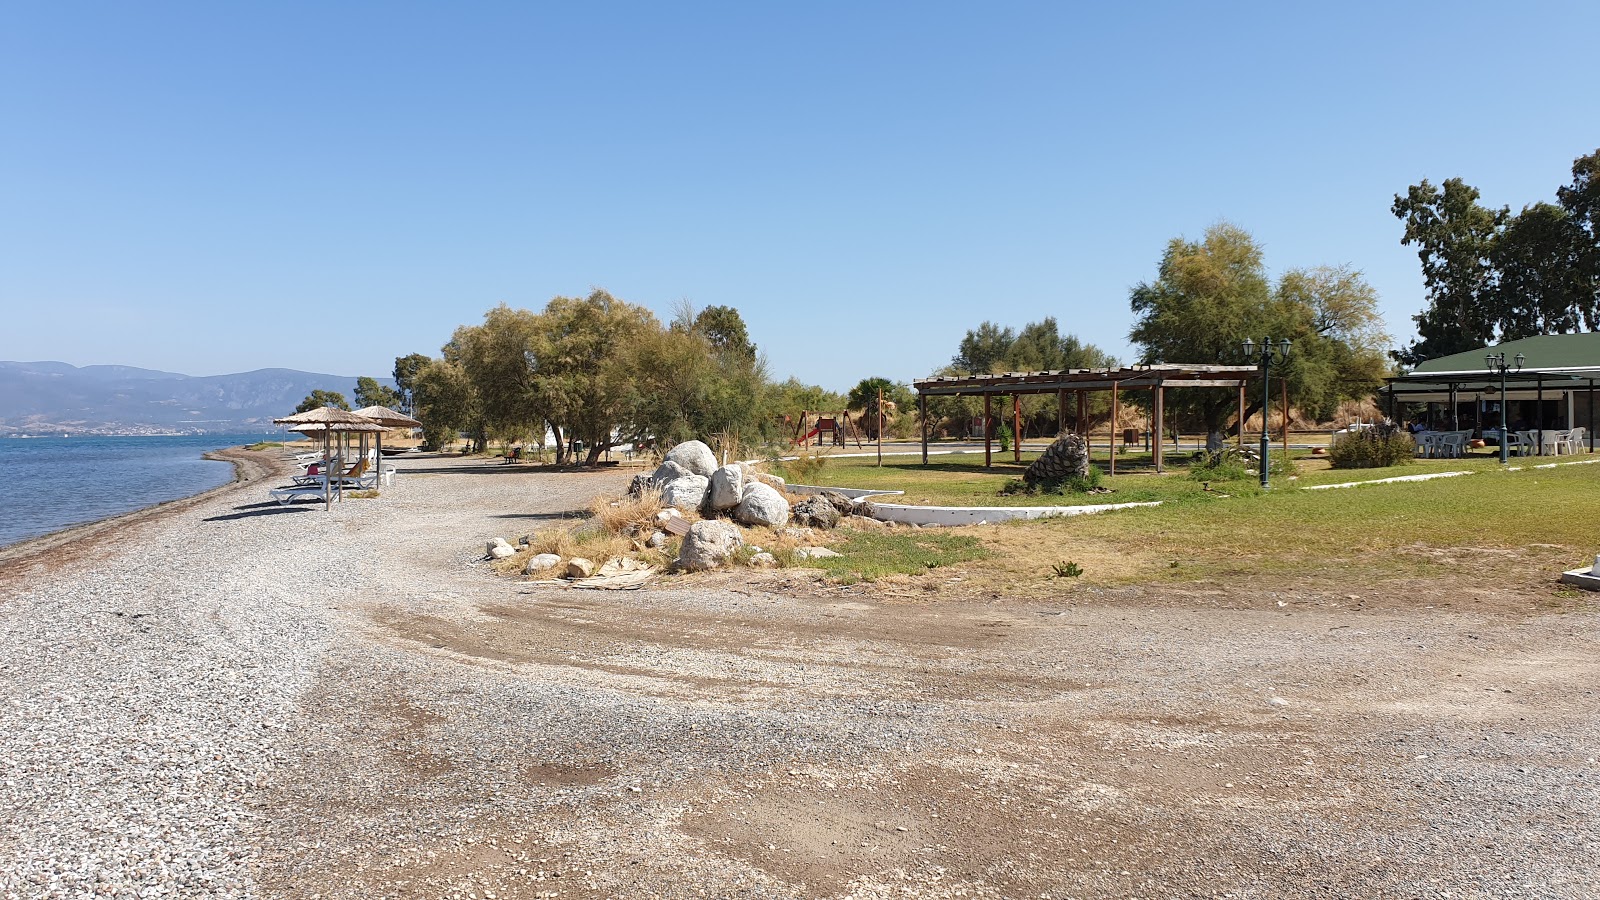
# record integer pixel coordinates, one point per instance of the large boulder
(687, 493)
(709, 544)
(762, 505)
(694, 456)
(727, 488)
(1066, 457)
(668, 472)
(815, 511)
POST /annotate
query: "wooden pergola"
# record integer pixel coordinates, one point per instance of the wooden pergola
(1155, 377)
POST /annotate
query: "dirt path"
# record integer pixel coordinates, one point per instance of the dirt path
(465, 736)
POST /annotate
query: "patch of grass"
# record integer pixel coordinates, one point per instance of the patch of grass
(1500, 524)
(264, 445)
(361, 495)
(870, 555)
(628, 515)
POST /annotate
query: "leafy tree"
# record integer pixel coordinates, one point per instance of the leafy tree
(494, 358)
(369, 392)
(1492, 275)
(724, 328)
(406, 369)
(984, 350)
(320, 398)
(1210, 295)
(587, 365)
(864, 396)
(1454, 236)
(446, 403)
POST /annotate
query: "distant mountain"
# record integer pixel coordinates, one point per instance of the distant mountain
(54, 397)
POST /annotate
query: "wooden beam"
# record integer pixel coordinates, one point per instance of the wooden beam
(1016, 428)
(1159, 408)
(1241, 415)
(1113, 428)
(988, 436)
(922, 410)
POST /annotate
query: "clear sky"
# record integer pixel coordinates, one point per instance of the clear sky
(204, 187)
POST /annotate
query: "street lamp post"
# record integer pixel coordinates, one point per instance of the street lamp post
(1267, 352)
(1497, 363)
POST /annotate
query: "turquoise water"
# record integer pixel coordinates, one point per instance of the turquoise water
(50, 483)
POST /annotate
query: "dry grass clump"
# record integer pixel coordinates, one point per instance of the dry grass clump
(627, 516)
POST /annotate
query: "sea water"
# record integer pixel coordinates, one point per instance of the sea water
(51, 483)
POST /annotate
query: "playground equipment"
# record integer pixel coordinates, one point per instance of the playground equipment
(834, 429)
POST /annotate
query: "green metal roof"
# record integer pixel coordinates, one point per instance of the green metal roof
(1542, 352)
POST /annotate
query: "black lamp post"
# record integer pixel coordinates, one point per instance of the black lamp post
(1267, 352)
(1497, 363)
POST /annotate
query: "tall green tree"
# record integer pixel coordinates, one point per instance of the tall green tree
(1209, 295)
(447, 404)
(1494, 276)
(897, 399)
(406, 369)
(982, 351)
(371, 392)
(1454, 235)
(320, 398)
(494, 356)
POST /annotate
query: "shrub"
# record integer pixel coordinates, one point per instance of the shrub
(1373, 448)
(1227, 464)
(1072, 484)
(802, 468)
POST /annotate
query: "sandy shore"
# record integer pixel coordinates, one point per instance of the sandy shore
(226, 698)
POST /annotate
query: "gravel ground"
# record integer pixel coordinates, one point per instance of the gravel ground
(230, 699)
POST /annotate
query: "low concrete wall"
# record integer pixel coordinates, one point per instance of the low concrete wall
(852, 493)
(977, 515)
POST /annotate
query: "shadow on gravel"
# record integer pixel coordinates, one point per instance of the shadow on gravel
(553, 517)
(500, 468)
(267, 508)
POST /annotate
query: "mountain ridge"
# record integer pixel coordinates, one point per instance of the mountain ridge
(51, 397)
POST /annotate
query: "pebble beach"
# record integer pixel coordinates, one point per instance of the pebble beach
(224, 698)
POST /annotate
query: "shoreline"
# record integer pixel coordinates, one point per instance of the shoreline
(249, 467)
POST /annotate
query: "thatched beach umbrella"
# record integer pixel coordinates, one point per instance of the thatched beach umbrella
(328, 421)
(388, 418)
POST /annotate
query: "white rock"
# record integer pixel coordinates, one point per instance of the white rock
(709, 544)
(1277, 701)
(578, 567)
(816, 553)
(500, 549)
(762, 505)
(770, 480)
(541, 562)
(687, 493)
(764, 561)
(727, 488)
(656, 540)
(694, 456)
(668, 472)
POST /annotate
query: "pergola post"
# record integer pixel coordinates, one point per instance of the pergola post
(1241, 414)
(1539, 411)
(1113, 441)
(922, 411)
(1591, 415)
(988, 434)
(1159, 409)
(1061, 410)
(1455, 422)
(1081, 428)
(1016, 428)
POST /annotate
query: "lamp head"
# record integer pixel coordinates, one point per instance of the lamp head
(1249, 347)
(1520, 359)
(1490, 360)
(1283, 348)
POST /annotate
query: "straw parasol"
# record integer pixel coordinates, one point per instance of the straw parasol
(328, 421)
(388, 418)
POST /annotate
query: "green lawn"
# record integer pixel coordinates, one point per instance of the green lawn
(961, 479)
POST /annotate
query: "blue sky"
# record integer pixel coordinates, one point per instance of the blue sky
(193, 187)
